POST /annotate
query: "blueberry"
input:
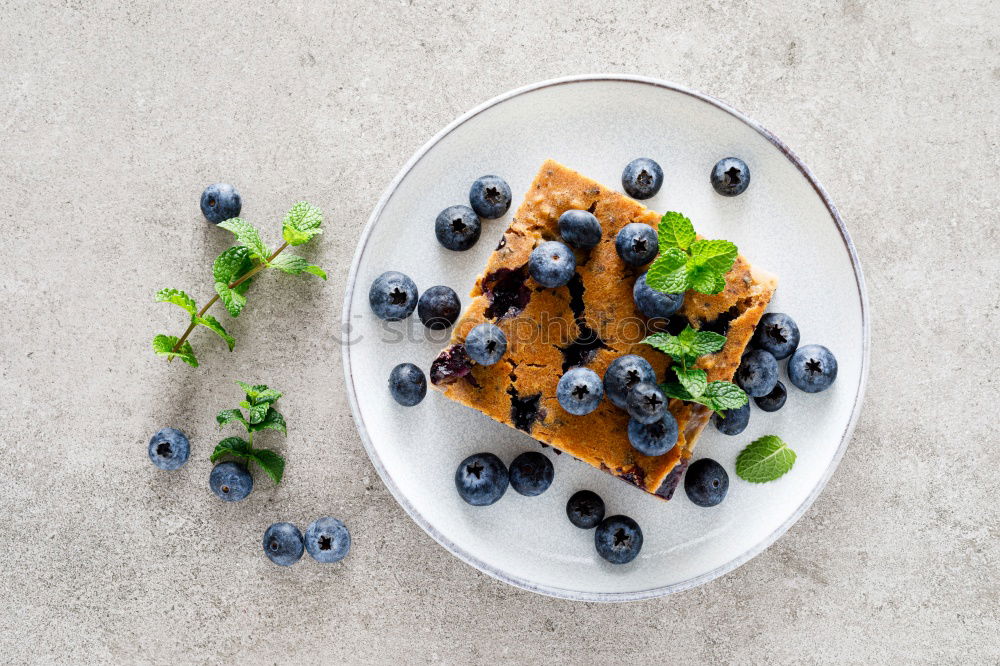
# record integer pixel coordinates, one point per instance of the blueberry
(230, 481)
(624, 373)
(812, 368)
(552, 264)
(580, 391)
(585, 509)
(328, 540)
(776, 333)
(646, 403)
(486, 344)
(392, 296)
(439, 307)
(531, 473)
(169, 449)
(580, 229)
(457, 228)
(283, 544)
(758, 373)
(220, 202)
(730, 176)
(653, 439)
(706, 482)
(450, 365)
(642, 178)
(618, 539)
(735, 420)
(489, 197)
(774, 400)
(636, 244)
(655, 304)
(407, 384)
(481, 479)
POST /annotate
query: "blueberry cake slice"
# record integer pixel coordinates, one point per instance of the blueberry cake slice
(589, 322)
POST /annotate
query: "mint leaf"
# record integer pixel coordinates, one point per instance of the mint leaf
(251, 391)
(705, 281)
(295, 265)
(687, 337)
(693, 380)
(707, 342)
(688, 345)
(177, 297)
(718, 255)
(259, 393)
(668, 344)
(765, 459)
(232, 264)
(248, 236)
(720, 396)
(710, 261)
(232, 446)
(211, 323)
(227, 416)
(669, 273)
(272, 421)
(301, 223)
(255, 413)
(675, 231)
(266, 396)
(269, 461)
(688, 263)
(233, 299)
(675, 390)
(292, 264)
(296, 237)
(258, 406)
(163, 345)
(303, 216)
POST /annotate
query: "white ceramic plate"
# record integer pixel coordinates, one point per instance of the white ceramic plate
(596, 124)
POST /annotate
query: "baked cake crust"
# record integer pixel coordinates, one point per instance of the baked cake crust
(589, 322)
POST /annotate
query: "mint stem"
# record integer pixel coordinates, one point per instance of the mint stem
(249, 274)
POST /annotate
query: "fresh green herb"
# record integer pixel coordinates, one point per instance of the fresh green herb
(233, 271)
(687, 263)
(260, 415)
(765, 459)
(692, 383)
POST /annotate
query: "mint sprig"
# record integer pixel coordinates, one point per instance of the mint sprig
(687, 263)
(765, 459)
(261, 415)
(692, 383)
(232, 273)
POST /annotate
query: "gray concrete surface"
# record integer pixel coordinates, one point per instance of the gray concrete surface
(115, 115)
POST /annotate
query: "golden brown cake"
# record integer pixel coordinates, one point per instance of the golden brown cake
(589, 322)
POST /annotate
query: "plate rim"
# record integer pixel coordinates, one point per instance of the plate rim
(562, 593)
